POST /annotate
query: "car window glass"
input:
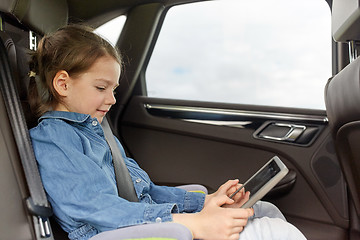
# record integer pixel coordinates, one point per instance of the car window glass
(258, 52)
(111, 30)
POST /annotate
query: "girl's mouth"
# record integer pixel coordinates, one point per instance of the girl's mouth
(103, 111)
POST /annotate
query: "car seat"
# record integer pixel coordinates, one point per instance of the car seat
(342, 96)
(342, 99)
(17, 18)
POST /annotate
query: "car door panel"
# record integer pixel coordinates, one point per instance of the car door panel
(181, 142)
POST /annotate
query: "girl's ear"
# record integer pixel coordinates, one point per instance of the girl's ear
(60, 83)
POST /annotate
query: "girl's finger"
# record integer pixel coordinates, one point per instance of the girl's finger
(239, 194)
(222, 200)
(241, 222)
(230, 183)
(234, 236)
(235, 189)
(223, 189)
(237, 230)
(244, 199)
(239, 214)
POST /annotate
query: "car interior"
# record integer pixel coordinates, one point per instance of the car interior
(321, 193)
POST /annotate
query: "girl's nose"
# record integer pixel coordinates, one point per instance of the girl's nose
(111, 100)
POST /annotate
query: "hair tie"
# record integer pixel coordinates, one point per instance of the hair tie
(32, 74)
(36, 77)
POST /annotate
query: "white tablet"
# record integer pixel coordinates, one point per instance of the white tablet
(263, 180)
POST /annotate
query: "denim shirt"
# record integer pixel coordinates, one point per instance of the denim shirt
(76, 168)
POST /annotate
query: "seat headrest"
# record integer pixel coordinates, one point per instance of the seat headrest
(345, 20)
(342, 96)
(41, 16)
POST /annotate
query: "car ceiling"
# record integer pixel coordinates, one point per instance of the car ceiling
(99, 12)
(91, 10)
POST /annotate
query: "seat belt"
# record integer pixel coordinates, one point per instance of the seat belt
(37, 203)
(124, 183)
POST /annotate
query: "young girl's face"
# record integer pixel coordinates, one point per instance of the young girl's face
(91, 92)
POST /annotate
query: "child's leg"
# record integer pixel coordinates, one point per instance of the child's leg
(270, 229)
(266, 209)
(269, 223)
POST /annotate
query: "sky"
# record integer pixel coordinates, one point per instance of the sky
(256, 52)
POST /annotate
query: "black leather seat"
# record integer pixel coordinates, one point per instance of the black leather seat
(18, 56)
(342, 98)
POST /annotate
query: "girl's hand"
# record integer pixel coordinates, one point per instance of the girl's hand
(214, 221)
(240, 197)
(228, 189)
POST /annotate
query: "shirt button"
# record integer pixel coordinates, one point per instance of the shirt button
(158, 220)
(138, 180)
(94, 123)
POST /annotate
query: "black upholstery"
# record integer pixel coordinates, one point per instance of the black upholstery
(39, 15)
(13, 188)
(342, 98)
(18, 17)
(19, 63)
(18, 56)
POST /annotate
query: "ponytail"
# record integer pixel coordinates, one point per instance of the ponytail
(39, 97)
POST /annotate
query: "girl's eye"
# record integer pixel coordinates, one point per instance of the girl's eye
(100, 88)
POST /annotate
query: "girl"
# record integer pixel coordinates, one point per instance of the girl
(74, 75)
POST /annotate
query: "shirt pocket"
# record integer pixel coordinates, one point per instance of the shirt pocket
(141, 181)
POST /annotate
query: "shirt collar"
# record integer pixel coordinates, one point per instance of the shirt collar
(67, 116)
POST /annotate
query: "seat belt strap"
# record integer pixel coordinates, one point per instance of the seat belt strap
(124, 183)
(37, 202)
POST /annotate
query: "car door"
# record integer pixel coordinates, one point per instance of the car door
(183, 141)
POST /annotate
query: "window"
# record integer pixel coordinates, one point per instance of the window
(258, 52)
(111, 30)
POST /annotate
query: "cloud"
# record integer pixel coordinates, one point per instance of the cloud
(253, 52)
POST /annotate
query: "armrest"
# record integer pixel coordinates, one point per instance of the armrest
(194, 188)
(153, 231)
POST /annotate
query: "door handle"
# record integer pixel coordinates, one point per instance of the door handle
(282, 132)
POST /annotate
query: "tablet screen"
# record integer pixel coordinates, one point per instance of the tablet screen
(260, 179)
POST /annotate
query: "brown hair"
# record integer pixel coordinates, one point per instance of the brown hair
(73, 48)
